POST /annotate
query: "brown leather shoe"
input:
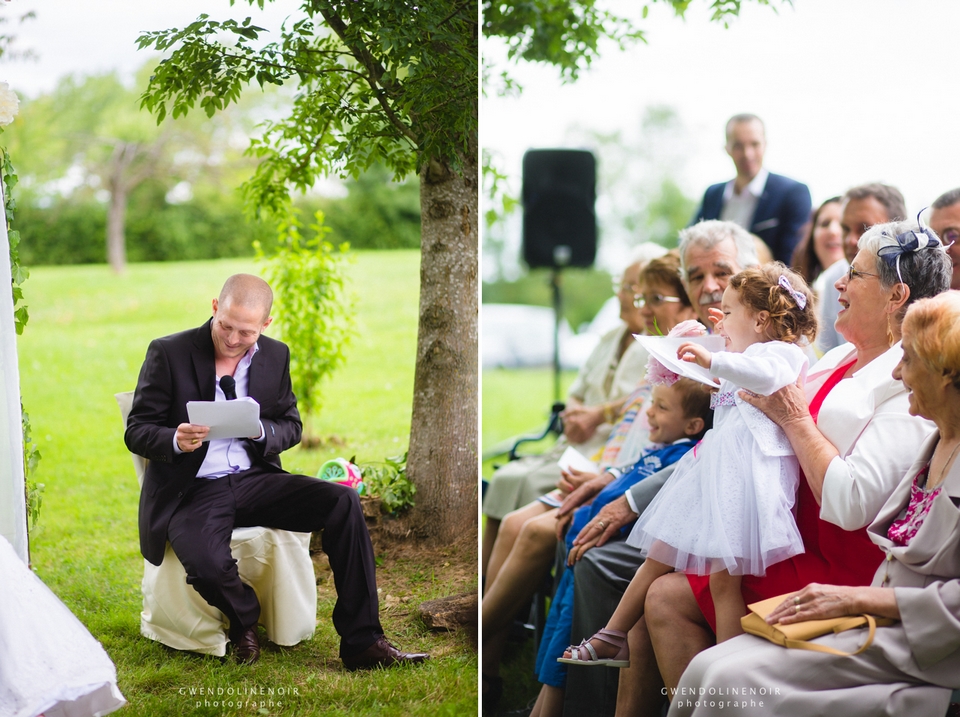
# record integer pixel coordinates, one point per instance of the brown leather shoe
(382, 654)
(247, 648)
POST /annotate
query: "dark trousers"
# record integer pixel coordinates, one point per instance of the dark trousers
(201, 528)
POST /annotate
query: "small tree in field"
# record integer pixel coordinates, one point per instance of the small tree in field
(315, 317)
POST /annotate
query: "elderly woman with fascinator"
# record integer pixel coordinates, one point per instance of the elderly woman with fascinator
(911, 666)
(851, 430)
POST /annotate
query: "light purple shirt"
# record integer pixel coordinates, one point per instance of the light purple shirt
(228, 455)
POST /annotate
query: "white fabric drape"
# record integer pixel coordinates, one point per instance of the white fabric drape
(13, 510)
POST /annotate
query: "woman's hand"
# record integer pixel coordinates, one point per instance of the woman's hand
(580, 422)
(583, 493)
(572, 478)
(815, 602)
(695, 353)
(819, 602)
(613, 516)
(784, 406)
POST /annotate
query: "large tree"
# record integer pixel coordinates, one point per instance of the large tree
(394, 81)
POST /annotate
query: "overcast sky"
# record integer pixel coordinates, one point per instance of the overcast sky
(73, 36)
(851, 92)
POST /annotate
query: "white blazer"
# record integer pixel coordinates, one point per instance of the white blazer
(866, 418)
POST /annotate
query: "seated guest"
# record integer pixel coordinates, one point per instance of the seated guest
(853, 441)
(819, 260)
(911, 666)
(865, 206)
(945, 221)
(678, 415)
(524, 549)
(197, 489)
(594, 400)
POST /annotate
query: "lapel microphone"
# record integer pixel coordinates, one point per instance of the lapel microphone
(229, 386)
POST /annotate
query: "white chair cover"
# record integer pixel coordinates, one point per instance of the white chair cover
(276, 563)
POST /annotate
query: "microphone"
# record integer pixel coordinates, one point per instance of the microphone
(229, 387)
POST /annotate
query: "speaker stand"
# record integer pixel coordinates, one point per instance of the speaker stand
(557, 315)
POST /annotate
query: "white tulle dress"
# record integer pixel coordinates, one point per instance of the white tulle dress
(728, 504)
(49, 663)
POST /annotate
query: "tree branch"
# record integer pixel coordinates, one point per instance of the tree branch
(374, 68)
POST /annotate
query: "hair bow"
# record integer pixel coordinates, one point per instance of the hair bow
(798, 296)
(911, 241)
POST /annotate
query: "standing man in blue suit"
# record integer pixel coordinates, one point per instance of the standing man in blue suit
(771, 206)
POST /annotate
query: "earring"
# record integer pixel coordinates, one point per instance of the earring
(891, 340)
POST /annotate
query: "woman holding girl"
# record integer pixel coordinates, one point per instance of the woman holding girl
(911, 666)
(852, 433)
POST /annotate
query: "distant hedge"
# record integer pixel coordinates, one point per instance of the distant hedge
(375, 214)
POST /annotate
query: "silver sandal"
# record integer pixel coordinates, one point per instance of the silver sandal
(585, 654)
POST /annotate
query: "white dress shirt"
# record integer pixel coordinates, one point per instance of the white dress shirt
(740, 208)
(228, 455)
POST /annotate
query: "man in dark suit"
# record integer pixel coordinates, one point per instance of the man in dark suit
(196, 491)
(771, 206)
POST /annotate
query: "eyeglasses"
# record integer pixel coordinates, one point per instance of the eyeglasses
(950, 236)
(619, 288)
(853, 273)
(654, 300)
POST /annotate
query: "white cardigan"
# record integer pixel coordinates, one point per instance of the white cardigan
(866, 418)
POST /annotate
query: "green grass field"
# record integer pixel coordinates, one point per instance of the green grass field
(86, 338)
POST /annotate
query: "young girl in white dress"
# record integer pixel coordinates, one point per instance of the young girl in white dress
(727, 509)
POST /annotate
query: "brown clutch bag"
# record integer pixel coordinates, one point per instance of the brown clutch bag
(799, 634)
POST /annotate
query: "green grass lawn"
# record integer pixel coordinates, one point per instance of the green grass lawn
(85, 341)
(517, 402)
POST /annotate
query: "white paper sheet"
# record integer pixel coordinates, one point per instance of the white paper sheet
(238, 418)
(664, 349)
(572, 458)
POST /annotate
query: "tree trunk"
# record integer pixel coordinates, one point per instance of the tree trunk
(442, 462)
(116, 242)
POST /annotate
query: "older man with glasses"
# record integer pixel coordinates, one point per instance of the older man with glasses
(945, 221)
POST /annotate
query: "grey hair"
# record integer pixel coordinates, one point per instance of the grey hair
(708, 233)
(926, 272)
(889, 197)
(740, 119)
(947, 199)
(646, 251)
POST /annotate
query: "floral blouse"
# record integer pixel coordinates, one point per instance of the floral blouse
(902, 531)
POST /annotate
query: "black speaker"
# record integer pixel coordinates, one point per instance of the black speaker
(559, 224)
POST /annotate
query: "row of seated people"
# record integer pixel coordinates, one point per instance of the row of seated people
(856, 430)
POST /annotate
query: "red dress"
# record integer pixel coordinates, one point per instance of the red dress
(832, 556)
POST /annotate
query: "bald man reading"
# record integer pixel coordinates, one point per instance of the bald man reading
(196, 491)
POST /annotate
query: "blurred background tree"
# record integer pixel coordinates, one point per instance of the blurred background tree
(100, 179)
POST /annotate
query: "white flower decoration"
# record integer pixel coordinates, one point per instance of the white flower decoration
(9, 104)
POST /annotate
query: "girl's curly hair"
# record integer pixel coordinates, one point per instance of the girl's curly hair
(760, 290)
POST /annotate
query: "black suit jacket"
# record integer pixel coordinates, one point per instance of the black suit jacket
(782, 210)
(181, 368)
